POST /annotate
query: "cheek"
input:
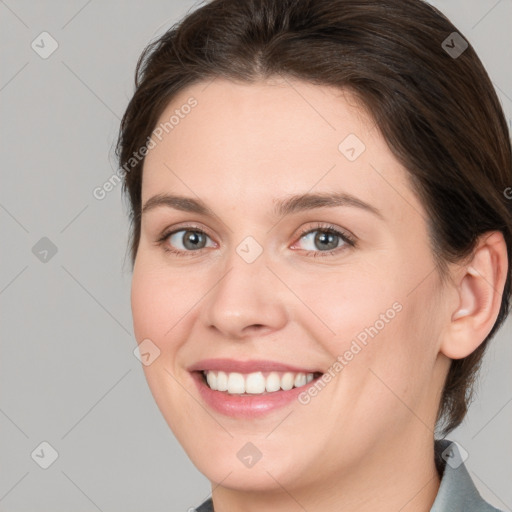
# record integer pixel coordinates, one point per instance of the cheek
(396, 369)
(384, 337)
(147, 306)
(159, 306)
(348, 306)
(159, 300)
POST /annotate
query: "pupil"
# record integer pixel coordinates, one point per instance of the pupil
(193, 238)
(326, 238)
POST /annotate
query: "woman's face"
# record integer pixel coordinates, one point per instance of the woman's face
(260, 287)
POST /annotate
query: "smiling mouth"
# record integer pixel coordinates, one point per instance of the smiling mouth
(256, 383)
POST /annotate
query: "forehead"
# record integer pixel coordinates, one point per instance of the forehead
(246, 143)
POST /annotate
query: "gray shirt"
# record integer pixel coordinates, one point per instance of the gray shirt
(457, 492)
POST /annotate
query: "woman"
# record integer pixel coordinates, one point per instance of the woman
(320, 244)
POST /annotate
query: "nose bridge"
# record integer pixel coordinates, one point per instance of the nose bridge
(244, 295)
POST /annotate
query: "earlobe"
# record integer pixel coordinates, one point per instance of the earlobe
(479, 292)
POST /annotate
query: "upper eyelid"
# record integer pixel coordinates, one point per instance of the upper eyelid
(302, 232)
(171, 231)
(347, 237)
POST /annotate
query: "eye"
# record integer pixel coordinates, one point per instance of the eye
(186, 240)
(324, 240)
(191, 239)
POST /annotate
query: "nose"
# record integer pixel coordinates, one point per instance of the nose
(247, 300)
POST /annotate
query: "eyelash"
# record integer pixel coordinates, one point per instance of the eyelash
(325, 228)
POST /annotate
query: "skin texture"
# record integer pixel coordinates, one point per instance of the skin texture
(365, 442)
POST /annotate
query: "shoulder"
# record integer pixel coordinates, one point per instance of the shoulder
(206, 506)
(457, 491)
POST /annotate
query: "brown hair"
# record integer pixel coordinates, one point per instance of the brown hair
(437, 111)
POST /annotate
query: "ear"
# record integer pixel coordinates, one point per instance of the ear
(479, 288)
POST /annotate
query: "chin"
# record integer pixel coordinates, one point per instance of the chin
(226, 466)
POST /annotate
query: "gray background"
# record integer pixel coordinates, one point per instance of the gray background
(68, 375)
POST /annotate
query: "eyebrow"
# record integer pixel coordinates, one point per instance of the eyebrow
(282, 207)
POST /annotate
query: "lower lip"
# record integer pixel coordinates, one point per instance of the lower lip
(245, 406)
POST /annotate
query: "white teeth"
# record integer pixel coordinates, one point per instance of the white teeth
(300, 380)
(236, 383)
(273, 382)
(211, 378)
(255, 383)
(287, 381)
(222, 381)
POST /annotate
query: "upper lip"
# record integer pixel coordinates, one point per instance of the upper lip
(231, 365)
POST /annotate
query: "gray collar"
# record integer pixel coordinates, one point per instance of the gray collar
(457, 492)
